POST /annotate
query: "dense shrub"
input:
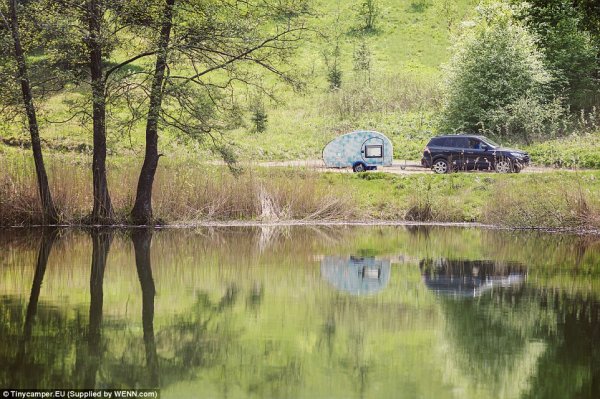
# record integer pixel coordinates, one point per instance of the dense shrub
(527, 118)
(367, 15)
(497, 82)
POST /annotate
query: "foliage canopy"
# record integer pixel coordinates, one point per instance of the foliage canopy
(497, 81)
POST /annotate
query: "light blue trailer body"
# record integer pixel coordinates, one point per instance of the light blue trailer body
(356, 275)
(368, 148)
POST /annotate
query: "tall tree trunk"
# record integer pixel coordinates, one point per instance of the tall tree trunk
(49, 210)
(102, 212)
(142, 209)
(141, 244)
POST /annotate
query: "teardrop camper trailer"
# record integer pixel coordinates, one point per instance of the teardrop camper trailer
(361, 150)
(355, 274)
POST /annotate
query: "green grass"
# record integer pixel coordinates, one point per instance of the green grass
(576, 151)
(189, 191)
(555, 200)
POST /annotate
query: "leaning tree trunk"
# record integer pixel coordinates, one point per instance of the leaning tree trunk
(50, 214)
(102, 212)
(142, 209)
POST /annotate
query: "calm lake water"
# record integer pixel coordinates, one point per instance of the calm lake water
(303, 312)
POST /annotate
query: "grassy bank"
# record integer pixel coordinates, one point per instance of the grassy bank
(191, 192)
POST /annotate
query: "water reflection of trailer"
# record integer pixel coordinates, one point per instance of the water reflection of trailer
(470, 278)
(361, 150)
(356, 275)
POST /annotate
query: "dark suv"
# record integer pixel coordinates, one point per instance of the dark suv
(448, 153)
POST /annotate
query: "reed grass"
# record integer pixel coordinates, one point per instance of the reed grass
(182, 192)
(543, 204)
(187, 191)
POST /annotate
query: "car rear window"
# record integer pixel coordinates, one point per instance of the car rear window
(454, 142)
(438, 141)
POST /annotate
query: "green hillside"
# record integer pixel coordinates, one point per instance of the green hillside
(398, 97)
(400, 94)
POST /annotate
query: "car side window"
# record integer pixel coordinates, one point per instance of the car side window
(437, 142)
(475, 144)
(459, 142)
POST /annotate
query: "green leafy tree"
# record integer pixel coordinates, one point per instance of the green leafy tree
(142, 209)
(223, 45)
(259, 114)
(363, 60)
(367, 14)
(177, 67)
(589, 11)
(333, 64)
(332, 53)
(81, 36)
(569, 49)
(14, 71)
(497, 77)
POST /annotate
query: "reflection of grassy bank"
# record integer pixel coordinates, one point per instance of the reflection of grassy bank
(188, 191)
(569, 263)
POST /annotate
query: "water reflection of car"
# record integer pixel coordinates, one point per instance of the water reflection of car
(356, 275)
(470, 278)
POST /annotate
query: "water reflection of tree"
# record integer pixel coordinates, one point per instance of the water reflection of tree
(92, 357)
(570, 367)
(67, 349)
(485, 346)
(24, 361)
(191, 338)
(141, 243)
(490, 335)
(46, 244)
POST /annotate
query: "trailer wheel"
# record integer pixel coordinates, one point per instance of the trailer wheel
(359, 167)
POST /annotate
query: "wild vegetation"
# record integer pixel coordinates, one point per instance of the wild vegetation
(209, 193)
(243, 82)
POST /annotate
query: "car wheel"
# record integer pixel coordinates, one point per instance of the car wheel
(503, 166)
(359, 167)
(440, 166)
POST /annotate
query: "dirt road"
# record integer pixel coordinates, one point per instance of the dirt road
(398, 167)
